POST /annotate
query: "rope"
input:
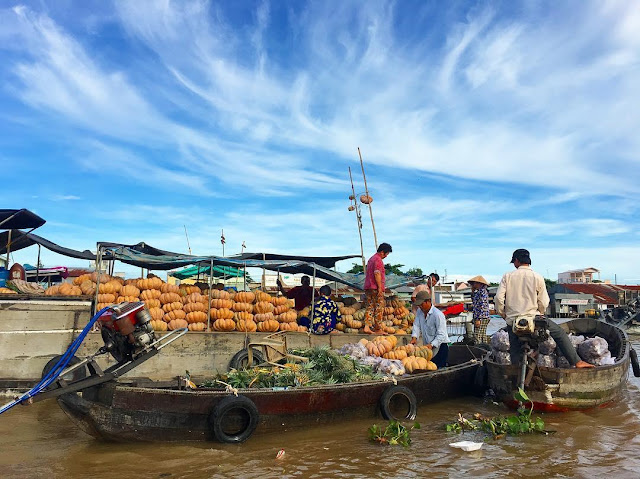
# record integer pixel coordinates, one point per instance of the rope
(229, 388)
(58, 368)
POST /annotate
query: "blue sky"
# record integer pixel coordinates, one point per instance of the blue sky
(485, 127)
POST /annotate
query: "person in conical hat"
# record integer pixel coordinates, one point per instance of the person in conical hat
(480, 301)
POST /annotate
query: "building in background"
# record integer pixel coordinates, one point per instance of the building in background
(578, 276)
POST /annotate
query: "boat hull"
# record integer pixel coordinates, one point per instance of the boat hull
(562, 389)
(118, 412)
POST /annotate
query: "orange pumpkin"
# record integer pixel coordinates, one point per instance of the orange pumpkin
(248, 326)
(126, 299)
(99, 306)
(263, 317)
(150, 294)
(243, 316)
(224, 325)
(152, 303)
(177, 324)
(195, 298)
(158, 325)
(302, 329)
(270, 326)
(263, 307)
(174, 314)
(130, 290)
(169, 288)
(288, 327)
(288, 317)
(221, 303)
(106, 298)
(245, 297)
(262, 296)
(281, 309)
(220, 294)
(222, 313)
(103, 277)
(197, 326)
(190, 307)
(166, 298)
(51, 291)
(279, 300)
(105, 288)
(196, 317)
(156, 313)
(88, 288)
(172, 306)
(248, 307)
(82, 278)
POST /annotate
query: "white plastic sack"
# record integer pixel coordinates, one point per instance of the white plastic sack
(593, 349)
(546, 360)
(501, 357)
(500, 340)
(548, 346)
(576, 340)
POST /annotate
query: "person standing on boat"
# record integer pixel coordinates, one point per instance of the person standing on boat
(374, 286)
(325, 313)
(523, 293)
(431, 324)
(431, 281)
(301, 295)
(480, 301)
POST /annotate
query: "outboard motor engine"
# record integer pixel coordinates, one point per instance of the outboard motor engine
(126, 330)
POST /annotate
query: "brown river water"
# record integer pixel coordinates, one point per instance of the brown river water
(39, 441)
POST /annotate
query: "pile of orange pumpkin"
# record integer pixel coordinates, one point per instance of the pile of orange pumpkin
(397, 318)
(414, 358)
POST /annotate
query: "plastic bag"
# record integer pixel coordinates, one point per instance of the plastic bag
(547, 360)
(500, 341)
(604, 360)
(355, 350)
(501, 357)
(592, 349)
(562, 362)
(576, 340)
(548, 346)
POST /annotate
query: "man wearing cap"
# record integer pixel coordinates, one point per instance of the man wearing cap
(523, 292)
(432, 325)
(480, 301)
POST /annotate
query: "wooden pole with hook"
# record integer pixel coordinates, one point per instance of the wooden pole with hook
(366, 192)
(358, 219)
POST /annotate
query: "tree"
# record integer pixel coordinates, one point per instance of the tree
(393, 269)
(356, 269)
(550, 283)
(415, 271)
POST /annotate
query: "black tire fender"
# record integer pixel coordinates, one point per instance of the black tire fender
(398, 391)
(234, 404)
(76, 375)
(239, 360)
(480, 380)
(634, 362)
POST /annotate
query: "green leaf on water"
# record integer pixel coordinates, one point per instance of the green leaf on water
(521, 396)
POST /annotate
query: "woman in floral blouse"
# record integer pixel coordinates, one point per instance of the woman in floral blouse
(325, 313)
(480, 301)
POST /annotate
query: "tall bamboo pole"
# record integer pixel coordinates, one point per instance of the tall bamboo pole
(358, 219)
(366, 191)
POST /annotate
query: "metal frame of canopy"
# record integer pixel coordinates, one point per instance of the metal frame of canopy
(19, 219)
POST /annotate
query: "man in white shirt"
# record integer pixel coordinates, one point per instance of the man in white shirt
(523, 293)
(431, 324)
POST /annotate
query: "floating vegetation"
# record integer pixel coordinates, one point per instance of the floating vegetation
(394, 434)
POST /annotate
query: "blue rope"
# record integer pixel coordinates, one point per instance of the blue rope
(60, 366)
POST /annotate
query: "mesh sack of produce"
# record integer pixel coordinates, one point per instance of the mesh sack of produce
(390, 366)
(605, 360)
(547, 360)
(548, 346)
(592, 349)
(562, 362)
(371, 361)
(501, 357)
(355, 350)
(576, 339)
(500, 340)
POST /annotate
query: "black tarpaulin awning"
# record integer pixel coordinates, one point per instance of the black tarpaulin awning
(21, 240)
(326, 261)
(19, 219)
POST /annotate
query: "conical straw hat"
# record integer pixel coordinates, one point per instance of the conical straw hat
(478, 279)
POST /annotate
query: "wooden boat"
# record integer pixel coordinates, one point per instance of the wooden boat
(125, 412)
(559, 389)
